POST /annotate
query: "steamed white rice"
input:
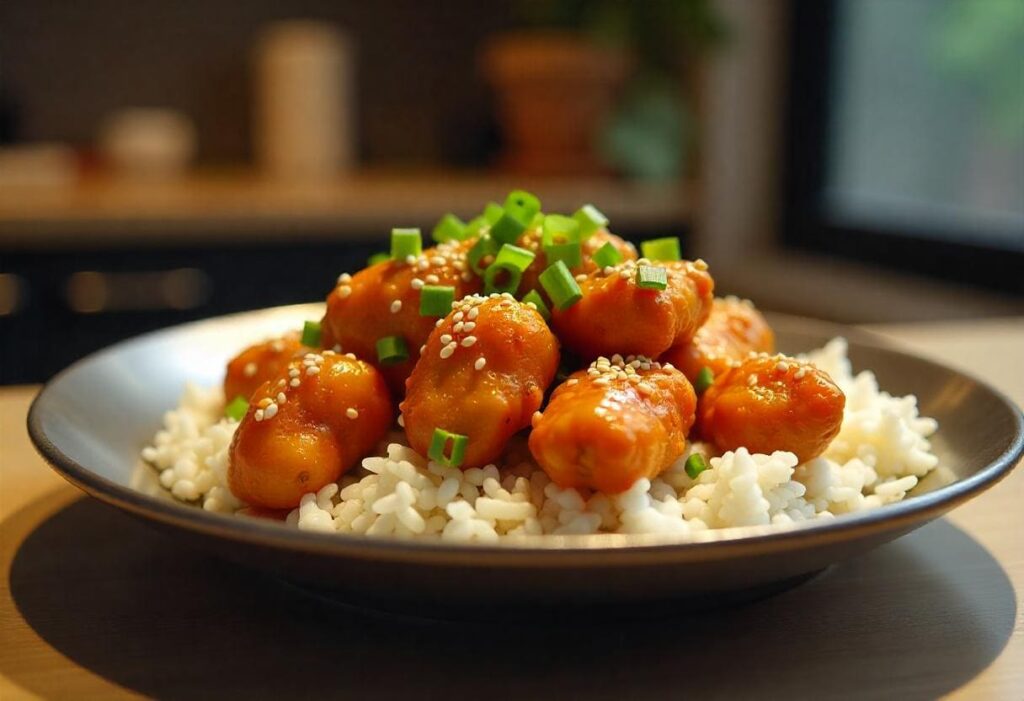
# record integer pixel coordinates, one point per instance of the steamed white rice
(881, 453)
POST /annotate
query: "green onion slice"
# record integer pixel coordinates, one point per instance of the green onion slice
(590, 220)
(695, 464)
(570, 253)
(661, 249)
(533, 297)
(482, 248)
(492, 212)
(236, 409)
(392, 350)
(378, 258)
(436, 300)
(510, 261)
(449, 228)
(405, 243)
(558, 229)
(311, 334)
(704, 379)
(650, 277)
(522, 204)
(439, 451)
(560, 285)
(606, 255)
(475, 227)
(509, 227)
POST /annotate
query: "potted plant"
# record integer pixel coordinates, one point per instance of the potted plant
(592, 87)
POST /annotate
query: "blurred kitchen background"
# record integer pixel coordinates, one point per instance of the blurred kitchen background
(855, 160)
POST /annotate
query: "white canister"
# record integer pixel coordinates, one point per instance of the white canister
(304, 91)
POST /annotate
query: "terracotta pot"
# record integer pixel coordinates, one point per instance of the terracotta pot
(554, 91)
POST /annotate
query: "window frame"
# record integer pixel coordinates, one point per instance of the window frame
(805, 223)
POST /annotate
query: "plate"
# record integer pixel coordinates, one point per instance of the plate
(91, 420)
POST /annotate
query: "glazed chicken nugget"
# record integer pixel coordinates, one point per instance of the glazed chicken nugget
(733, 329)
(772, 402)
(483, 374)
(248, 370)
(384, 300)
(616, 315)
(614, 423)
(531, 241)
(307, 427)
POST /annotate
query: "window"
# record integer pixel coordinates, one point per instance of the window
(906, 135)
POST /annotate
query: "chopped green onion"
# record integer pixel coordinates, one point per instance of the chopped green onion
(560, 285)
(570, 253)
(509, 227)
(533, 297)
(493, 212)
(607, 255)
(512, 261)
(311, 334)
(439, 445)
(590, 220)
(436, 300)
(449, 228)
(559, 229)
(474, 227)
(237, 408)
(537, 221)
(482, 248)
(650, 277)
(378, 258)
(392, 350)
(704, 379)
(661, 249)
(695, 464)
(523, 205)
(405, 243)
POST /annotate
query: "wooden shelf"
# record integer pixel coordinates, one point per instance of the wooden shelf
(222, 207)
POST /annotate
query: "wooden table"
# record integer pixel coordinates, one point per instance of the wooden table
(93, 605)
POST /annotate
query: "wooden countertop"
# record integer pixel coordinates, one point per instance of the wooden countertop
(94, 605)
(235, 206)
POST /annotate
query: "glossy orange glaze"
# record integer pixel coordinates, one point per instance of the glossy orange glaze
(259, 363)
(359, 309)
(309, 439)
(604, 432)
(770, 403)
(489, 404)
(616, 316)
(733, 329)
(531, 241)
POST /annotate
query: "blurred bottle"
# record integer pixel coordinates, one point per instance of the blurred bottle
(304, 87)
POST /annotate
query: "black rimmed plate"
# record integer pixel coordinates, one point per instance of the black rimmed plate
(91, 421)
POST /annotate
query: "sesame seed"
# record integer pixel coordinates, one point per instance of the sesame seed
(281, 398)
(468, 341)
(581, 277)
(537, 416)
(447, 351)
(416, 283)
(468, 326)
(249, 370)
(277, 346)
(438, 260)
(480, 363)
(423, 349)
(258, 415)
(457, 328)
(344, 291)
(294, 372)
(438, 323)
(433, 279)
(295, 382)
(571, 382)
(401, 420)
(352, 413)
(458, 316)
(602, 382)
(270, 412)
(351, 356)
(472, 313)
(312, 370)
(446, 338)
(396, 306)
(645, 388)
